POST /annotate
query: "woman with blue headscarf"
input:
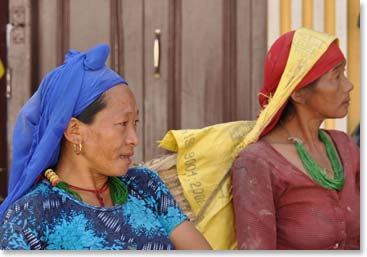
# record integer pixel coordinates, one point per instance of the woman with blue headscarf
(70, 184)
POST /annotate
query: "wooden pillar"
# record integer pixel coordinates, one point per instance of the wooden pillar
(3, 100)
(307, 14)
(354, 60)
(330, 28)
(19, 62)
(285, 16)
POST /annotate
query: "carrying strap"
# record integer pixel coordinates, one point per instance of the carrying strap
(211, 197)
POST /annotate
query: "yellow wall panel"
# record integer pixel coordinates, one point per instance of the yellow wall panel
(307, 13)
(354, 63)
(330, 28)
(285, 16)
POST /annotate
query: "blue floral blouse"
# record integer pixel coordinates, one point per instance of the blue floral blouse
(49, 218)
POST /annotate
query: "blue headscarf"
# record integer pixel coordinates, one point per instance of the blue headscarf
(64, 93)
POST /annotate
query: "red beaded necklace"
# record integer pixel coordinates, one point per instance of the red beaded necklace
(98, 192)
(118, 190)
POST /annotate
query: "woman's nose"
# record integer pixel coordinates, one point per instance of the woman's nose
(132, 137)
(349, 85)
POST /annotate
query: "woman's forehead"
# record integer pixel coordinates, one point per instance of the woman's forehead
(119, 94)
(340, 65)
(120, 100)
(336, 69)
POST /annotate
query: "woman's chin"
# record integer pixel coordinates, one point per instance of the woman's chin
(342, 115)
(118, 174)
(339, 115)
(121, 167)
(120, 171)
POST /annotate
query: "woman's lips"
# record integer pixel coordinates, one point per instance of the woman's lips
(126, 157)
(347, 101)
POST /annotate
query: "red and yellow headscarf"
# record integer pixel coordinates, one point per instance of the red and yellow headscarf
(294, 61)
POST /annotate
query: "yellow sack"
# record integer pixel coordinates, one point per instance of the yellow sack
(2, 70)
(204, 157)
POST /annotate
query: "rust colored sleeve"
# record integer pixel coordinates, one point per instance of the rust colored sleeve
(253, 201)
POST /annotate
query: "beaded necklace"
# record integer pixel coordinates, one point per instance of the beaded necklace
(118, 189)
(317, 173)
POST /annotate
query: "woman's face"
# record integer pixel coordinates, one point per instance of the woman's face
(109, 142)
(329, 97)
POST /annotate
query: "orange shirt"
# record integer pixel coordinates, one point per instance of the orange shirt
(277, 206)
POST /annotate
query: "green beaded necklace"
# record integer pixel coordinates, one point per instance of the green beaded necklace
(118, 190)
(317, 173)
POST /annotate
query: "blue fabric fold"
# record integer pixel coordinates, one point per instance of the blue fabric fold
(64, 93)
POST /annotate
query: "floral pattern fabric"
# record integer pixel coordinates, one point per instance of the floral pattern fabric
(49, 218)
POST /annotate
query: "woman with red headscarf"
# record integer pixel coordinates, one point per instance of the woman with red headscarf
(296, 186)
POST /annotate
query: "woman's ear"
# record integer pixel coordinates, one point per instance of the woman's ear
(299, 97)
(72, 132)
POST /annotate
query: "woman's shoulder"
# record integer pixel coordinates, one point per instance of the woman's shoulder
(31, 203)
(41, 190)
(254, 150)
(338, 135)
(347, 148)
(140, 174)
(342, 140)
(259, 154)
(142, 179)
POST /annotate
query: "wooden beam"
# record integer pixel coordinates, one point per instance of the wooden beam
(307, 14)
(330, 28)
(4, 11)
(285, 16)
(353, 64)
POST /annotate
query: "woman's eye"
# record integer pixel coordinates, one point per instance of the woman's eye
(340, 75)
(136, 123)
(124, 123)
(343, 73)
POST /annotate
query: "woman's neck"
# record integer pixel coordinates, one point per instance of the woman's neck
(75, 172)
(303, 128)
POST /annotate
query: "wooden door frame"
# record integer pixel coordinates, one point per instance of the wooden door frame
(4, 17)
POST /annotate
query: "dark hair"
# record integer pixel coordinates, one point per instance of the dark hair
(288, 111)
(88, 114)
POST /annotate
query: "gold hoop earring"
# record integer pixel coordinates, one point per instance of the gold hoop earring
(77, 148)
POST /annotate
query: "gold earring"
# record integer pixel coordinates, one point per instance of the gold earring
(77, 148)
